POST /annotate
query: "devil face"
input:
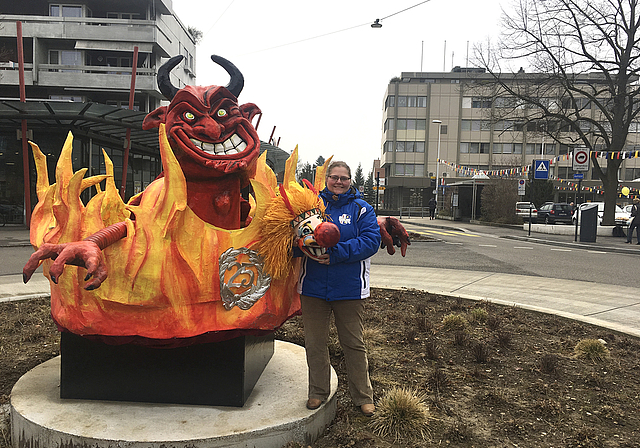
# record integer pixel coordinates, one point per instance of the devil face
(209, 132)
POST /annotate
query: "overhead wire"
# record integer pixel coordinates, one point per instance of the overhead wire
(334, 32)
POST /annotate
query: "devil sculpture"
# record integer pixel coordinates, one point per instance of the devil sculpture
(183, 261)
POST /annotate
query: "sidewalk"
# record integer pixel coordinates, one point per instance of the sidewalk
(615, 308)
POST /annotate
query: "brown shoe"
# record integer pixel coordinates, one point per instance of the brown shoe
(368, 409)
(313, 403)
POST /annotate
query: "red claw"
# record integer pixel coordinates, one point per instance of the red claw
(393, 233)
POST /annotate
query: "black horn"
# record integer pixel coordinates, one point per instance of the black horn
(237, 80)
(164, 82)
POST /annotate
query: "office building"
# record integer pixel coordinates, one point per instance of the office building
(78, 58)
(480, 133)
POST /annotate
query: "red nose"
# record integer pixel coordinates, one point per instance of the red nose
(327, 234)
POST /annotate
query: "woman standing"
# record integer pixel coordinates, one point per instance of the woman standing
(337, 283)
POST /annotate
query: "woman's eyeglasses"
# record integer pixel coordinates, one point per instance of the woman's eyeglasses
(337, 178)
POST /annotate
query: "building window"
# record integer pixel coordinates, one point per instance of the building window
(65, 57)
(631, 173)
(123, 15)
(65, 11)
(410, 124)
(475, 125)
(70, 98)
(409, 146)
(402, 101)
(389, 125)
(534, 148)
(409, 170)
(474, 148)
(480, 102)
(390, 101)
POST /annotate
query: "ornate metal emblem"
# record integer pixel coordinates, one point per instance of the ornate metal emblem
(247, 284)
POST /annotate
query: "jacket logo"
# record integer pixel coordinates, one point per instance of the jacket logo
(344, 219)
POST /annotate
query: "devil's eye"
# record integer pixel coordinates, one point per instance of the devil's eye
(222, 113)
(189, 116)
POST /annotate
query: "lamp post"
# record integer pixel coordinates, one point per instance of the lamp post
(377, 189)
(439, 123)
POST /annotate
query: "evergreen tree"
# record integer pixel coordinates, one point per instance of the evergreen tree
(358, 179)
(305, 171)
(369, 193)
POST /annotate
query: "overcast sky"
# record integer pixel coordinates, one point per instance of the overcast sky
(325, 94)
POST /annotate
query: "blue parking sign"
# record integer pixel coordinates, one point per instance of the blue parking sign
(541, 169)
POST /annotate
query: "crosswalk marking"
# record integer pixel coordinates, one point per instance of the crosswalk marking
(446, 232)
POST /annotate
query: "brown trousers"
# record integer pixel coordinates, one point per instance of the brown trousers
(316, 315)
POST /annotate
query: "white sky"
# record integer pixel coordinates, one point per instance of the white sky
(326, 94)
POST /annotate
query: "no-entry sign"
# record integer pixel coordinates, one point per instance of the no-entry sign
(581, 159)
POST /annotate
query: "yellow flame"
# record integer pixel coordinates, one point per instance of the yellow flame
(164, 279)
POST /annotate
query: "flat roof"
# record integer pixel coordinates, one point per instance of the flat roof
(105, 123)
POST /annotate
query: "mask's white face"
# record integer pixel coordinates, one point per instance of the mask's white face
(305, 230)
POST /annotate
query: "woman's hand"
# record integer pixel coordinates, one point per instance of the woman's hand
(323, 259)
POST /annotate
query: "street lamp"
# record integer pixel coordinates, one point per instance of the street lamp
(439, 123)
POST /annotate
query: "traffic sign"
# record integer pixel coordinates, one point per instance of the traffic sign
(578, 175)
(541, 169)
(521, 187)
(581, 159)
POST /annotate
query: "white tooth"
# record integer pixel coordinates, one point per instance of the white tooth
(241, 147)
(232, 151)
(235, 139)
(208, 147)
(197, 143)
(228, 145)
(219, 148)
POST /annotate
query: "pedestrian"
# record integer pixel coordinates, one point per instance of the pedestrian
(635, 221)
(432, 208)
(336, 282)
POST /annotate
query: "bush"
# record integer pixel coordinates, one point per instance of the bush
(498, 201)
(401, 414)
(591, 349)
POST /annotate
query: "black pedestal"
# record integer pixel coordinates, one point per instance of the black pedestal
(215, 374)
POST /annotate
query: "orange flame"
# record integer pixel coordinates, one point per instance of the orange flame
(164, 280)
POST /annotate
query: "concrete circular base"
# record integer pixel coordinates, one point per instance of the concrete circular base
(274, 414)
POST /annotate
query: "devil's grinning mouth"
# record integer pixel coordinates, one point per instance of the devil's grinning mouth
(232, 145)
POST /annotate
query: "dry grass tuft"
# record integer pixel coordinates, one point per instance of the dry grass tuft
(478, 315)
(452, 322)
(591, 349)
(402, 415)
(431, 350)
(480, 352)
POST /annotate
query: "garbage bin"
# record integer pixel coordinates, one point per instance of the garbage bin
(588, 223)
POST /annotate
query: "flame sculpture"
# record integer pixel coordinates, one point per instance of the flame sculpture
(173, 275)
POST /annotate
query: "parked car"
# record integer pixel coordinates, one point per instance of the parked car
(524, 209)
(622, 217)
(627, 208)
(555, 212)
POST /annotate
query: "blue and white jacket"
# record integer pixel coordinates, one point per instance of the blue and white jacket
(347, 275)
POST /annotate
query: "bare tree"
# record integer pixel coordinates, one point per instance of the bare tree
(584, 90)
